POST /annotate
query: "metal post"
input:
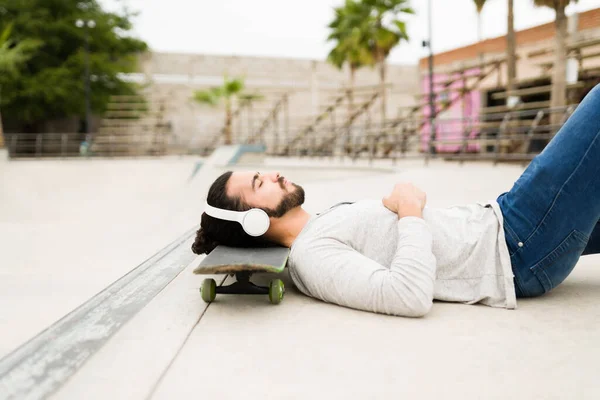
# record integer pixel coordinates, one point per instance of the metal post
(38, 145)
(276, 131)
(63, 147)
(87, 85)
(432, 111)
(398, 144)
(286, 110)
(333, 129)
(511, 66)
(238, 134)
(465, 118)
(13, 144)
(367, 136)
(249, 131)
(501, 136)
(371, 145)
(86, 25)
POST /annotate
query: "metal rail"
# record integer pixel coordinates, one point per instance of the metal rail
(491, 133)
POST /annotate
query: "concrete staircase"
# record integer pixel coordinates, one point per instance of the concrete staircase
(132, 125)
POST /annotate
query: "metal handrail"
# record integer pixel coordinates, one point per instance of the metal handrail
(484, 134)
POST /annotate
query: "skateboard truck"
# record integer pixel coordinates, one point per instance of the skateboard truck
(242, 285)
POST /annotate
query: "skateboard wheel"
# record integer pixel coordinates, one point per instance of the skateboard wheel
(209, 290)
(276, 291)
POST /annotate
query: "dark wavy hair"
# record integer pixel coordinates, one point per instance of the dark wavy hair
(214, 231)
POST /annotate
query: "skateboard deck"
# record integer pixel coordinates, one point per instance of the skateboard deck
(229, 260)
(243, 262)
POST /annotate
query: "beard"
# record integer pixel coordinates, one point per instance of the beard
(292, 199)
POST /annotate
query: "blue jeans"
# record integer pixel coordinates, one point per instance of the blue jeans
(552, 213)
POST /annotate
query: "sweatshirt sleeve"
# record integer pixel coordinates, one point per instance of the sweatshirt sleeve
(336, 273)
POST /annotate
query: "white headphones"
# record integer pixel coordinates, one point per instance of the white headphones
(254, 221)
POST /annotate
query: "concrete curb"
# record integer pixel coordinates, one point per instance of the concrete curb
(43, 364)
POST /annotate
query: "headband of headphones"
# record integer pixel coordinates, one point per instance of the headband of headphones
(254, 221)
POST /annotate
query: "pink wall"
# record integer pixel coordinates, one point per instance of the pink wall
(455, 122)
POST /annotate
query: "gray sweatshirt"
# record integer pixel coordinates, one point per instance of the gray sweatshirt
(362, 256)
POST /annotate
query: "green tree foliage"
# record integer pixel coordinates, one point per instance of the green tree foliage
(479, 5)
(226, 93)
(350, 47)
(380, 29)
(50, 84)
(12, 57)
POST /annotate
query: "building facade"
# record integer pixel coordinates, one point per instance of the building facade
(470, 82)
(310, 87)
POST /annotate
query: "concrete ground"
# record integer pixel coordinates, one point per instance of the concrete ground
(69, 228)
(178, 347)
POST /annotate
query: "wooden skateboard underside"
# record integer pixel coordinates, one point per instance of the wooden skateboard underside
(229, 260)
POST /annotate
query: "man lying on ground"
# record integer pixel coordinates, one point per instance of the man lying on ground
(394, 256)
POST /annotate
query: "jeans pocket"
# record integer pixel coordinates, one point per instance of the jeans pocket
(558, 264)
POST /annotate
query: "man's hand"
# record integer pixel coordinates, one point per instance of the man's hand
(406, 200)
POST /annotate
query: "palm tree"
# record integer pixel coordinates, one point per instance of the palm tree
(350, 47)
(230, 90)
(559, 79)
(510, 42)
(12, 56)
(511, 46)
(479, 5)
(382, 32)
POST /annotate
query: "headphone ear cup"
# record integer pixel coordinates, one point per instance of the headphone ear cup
(256, 222)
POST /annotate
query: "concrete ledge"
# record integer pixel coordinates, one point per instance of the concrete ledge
(43, 364)
(230, 155)
(249, 153)
(197, 167)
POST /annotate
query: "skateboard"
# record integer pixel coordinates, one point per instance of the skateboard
(243, 262)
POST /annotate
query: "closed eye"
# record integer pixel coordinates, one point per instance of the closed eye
(256, 178)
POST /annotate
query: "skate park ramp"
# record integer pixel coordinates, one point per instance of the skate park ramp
(176, 346)
(70, 228)
(231, 155)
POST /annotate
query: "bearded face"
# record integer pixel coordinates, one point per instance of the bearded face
(270, 192)
(291, 199)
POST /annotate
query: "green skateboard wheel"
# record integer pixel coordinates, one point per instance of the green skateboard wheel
(276, 291)
(209, 290)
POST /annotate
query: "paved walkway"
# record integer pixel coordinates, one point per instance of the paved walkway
(178, 347)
